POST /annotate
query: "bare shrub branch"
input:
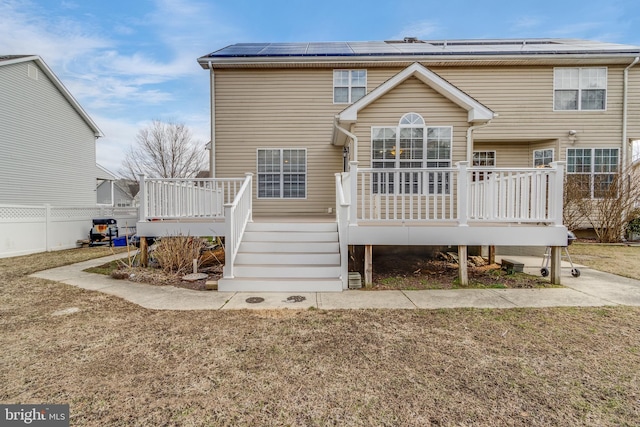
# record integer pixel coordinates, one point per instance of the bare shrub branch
(614, 207)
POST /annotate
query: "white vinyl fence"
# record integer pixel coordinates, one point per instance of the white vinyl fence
(30, 229)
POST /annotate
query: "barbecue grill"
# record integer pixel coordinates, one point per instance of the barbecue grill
(544, 271)
(103, 231)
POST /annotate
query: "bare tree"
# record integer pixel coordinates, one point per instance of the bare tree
(164, 150)
(613, 206)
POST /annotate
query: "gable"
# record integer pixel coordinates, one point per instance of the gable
(44, 68)
(476, 112)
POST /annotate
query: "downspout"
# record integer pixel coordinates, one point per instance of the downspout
(212, 152)
(354, 138)
(470, 140)
(624, 111)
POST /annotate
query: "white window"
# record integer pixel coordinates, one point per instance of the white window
(282, 173)
(484, 158)
(579, 89)
(411, 145)
(635, 150)
(349, 86)
(542, 158)
(592, 170)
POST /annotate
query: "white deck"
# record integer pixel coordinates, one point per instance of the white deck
(458, 206)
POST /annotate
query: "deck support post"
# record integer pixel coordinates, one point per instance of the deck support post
(144, 252)
(463, 272)
(368, 266)
(492, 254)
(555, 264)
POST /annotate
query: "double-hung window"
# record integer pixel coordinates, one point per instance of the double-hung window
(592, 170)
(282, 173)
(483, 159)
(349, 86)
(580, 89)
(411, 145)
(542, 158)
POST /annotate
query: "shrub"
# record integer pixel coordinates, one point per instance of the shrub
(176, 254)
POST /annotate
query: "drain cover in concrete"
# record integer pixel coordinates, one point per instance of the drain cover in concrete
(296, 298)
(254, 300)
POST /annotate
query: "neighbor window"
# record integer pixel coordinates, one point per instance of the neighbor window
(282, 173)
(579, 88)
(411, 145)
(542, 158)
(592, 170)
(349, 86)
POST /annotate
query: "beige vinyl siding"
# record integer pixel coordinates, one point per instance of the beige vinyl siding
(633, 94)
(293, 108)
(279, 109)
(523, 98)
(411, 96)
(48, 150)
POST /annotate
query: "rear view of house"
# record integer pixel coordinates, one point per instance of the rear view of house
(404, 142)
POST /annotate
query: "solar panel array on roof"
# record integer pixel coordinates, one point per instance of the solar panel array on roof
(418, 47)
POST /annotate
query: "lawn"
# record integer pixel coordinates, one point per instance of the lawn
(617, 259)
(118, 364)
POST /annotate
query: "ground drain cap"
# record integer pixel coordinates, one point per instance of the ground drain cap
(254, 300)
(296, 298)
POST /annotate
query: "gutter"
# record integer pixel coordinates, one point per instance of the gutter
(625, 114)
(212, 140)
(350, 135)
(470, 130)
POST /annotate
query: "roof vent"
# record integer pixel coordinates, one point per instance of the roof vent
(411, 40)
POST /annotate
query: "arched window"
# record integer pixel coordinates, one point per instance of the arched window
(411, 119)
(411, 145)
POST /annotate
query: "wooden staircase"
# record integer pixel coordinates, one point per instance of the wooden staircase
(286, 257)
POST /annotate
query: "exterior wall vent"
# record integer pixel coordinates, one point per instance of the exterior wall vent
(32, 72)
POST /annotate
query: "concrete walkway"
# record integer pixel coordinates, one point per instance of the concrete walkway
(592, 288)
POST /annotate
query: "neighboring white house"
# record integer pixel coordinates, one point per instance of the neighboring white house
(47, 163)
(113, 191)
(47, 140)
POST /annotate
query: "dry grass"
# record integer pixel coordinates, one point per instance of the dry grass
(617, 259)
(118, 364)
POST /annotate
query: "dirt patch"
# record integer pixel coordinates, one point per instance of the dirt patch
(411, 272)
(391, 272)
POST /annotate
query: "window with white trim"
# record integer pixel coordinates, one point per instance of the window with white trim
(579, 89)
(484, 159)
(592, 170)
(411, 145)
(282, 173)
(542, 158)
(349, 86)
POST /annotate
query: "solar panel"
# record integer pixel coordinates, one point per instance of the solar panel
(330, 48)
(436, 47)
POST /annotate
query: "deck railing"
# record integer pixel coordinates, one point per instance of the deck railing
(176, 198)
(237, 214)
(342, 218)
(461, 194)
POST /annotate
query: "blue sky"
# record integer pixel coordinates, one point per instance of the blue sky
(129, 62)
